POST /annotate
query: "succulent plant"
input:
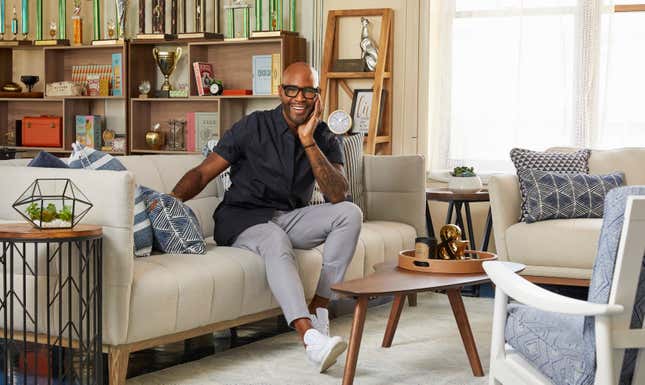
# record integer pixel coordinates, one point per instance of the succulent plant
(463, 171)
(49, 213)
(65, 214)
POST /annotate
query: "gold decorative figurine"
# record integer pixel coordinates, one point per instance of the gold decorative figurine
(53, 29)
(451, 246)
(111, 29)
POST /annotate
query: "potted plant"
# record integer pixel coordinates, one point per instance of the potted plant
(52, 203)
(464, 180)
(50, 217)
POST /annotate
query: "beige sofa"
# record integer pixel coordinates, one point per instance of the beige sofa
(559, 251)
(163, 298)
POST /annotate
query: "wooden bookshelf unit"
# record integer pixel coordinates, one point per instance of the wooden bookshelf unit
(231, 60)
(54, 64)
(232, 64)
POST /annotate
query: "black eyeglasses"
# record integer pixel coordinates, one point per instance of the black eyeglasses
(307, 92)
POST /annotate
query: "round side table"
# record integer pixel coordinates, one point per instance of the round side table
(457, 202)
(61, 319)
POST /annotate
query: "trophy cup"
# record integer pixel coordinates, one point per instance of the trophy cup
(199, 26)
(60, 27)
(275, 20)
(158, 25)
(166, 61)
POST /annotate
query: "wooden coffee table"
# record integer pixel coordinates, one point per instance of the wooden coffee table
(390, 280)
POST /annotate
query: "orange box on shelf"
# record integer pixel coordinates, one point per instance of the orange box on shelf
(42, 131)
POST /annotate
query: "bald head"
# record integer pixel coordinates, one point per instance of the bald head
(300, 71)
(301, 80)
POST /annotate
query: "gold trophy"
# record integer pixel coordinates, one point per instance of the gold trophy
(167, 61)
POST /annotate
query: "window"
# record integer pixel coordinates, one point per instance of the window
(534, 74)
(623, 123)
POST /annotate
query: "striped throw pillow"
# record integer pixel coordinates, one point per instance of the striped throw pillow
(89, 158)
(353, 154)
(143, 237)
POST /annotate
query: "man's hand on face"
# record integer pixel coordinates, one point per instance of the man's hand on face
(307, 129)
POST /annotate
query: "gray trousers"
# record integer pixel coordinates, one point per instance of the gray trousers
(337, 225)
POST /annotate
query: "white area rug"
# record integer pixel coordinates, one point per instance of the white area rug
(427, 349)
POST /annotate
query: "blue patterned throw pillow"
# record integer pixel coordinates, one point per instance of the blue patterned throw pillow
(176, 228)
(551, 161)
(142, 227)
(552, 195)
(89, 158)
(47, 160)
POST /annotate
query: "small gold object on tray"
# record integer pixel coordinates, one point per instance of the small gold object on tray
(451, 246)
(451, 257)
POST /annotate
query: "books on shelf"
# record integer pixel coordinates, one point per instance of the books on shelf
(88, 130)
(117, 74)
(204, 77)
(200, 128)
(83, 75)
(276, 73)
(262, 74)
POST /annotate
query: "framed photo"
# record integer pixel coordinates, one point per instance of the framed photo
(362, 109)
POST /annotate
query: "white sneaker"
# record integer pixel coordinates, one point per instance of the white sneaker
(323, 350)
(320, 321)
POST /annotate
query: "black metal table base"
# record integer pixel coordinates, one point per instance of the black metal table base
(467, 233)
(51, 334)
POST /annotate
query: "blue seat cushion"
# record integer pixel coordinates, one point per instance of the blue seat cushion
(553, 343)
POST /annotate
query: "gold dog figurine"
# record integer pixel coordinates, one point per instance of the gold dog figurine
(451, 246)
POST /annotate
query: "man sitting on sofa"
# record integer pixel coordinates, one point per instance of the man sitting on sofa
(275, 157)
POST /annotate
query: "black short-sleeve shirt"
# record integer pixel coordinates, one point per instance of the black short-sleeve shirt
(269, 171)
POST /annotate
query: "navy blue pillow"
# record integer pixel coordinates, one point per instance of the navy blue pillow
(45, 159)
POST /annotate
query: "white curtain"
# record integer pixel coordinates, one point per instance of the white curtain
(514, 73)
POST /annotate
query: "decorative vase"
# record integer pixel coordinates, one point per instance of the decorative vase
(464, 184)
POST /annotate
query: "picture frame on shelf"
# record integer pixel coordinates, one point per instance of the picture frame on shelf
(361, 110)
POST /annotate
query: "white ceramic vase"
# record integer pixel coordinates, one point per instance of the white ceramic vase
(464, 184)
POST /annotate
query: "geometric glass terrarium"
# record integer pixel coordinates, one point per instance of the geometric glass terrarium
(53, 203)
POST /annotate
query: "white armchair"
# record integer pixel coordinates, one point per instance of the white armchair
(551, 339)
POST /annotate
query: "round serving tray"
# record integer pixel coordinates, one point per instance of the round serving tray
(466, 266)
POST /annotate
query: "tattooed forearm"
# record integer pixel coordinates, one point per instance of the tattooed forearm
(331, 180)
(188, 186)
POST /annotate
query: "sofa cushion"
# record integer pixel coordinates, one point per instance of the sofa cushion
(382, 241)
(176, 228)
(569, 162)
(552, 195)
(177, 292)
(560, 242)
(553, 343)
(47, 160)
